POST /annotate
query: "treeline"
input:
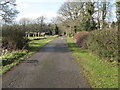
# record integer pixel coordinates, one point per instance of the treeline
(87, 16)
(38, 25)
(15, 36)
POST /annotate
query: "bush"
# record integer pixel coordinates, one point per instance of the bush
(80, 38)
(104, 43)
(13, 38)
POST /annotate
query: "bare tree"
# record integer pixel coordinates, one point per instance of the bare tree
(25, 25)
(118, 14)
(24, 21)
(71, 12)
(8, 11)
(40, 21)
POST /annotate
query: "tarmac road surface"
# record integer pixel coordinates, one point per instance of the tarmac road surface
(51, 67)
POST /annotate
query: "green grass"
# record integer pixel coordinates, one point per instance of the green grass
(100, 74)
(34, 46)
(36, 38)
(37, 44)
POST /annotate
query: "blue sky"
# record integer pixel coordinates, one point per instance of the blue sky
(35, 8)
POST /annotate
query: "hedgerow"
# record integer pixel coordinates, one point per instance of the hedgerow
(103, 43)
(13, 38)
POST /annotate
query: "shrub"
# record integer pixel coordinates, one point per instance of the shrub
(13, 38)
(104, 43)
(80, 38)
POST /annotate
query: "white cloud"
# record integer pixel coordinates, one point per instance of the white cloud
(30, 8)
(22, 6)
(48, 15)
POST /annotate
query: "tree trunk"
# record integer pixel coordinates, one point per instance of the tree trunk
(104, 14)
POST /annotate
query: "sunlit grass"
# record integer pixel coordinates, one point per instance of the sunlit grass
(100, 74)
(35, 45)
(33, 38)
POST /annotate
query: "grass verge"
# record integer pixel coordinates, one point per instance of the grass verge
(100, 74)
(34, 46)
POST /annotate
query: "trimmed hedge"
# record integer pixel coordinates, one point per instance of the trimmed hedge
(103, 43)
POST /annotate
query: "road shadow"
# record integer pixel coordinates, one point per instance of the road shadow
(30, 61)
(56, 48)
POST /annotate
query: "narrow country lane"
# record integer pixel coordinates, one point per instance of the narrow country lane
(51, 67)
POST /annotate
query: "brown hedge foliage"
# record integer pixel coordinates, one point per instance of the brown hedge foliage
(80, 39)
(13, 38)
